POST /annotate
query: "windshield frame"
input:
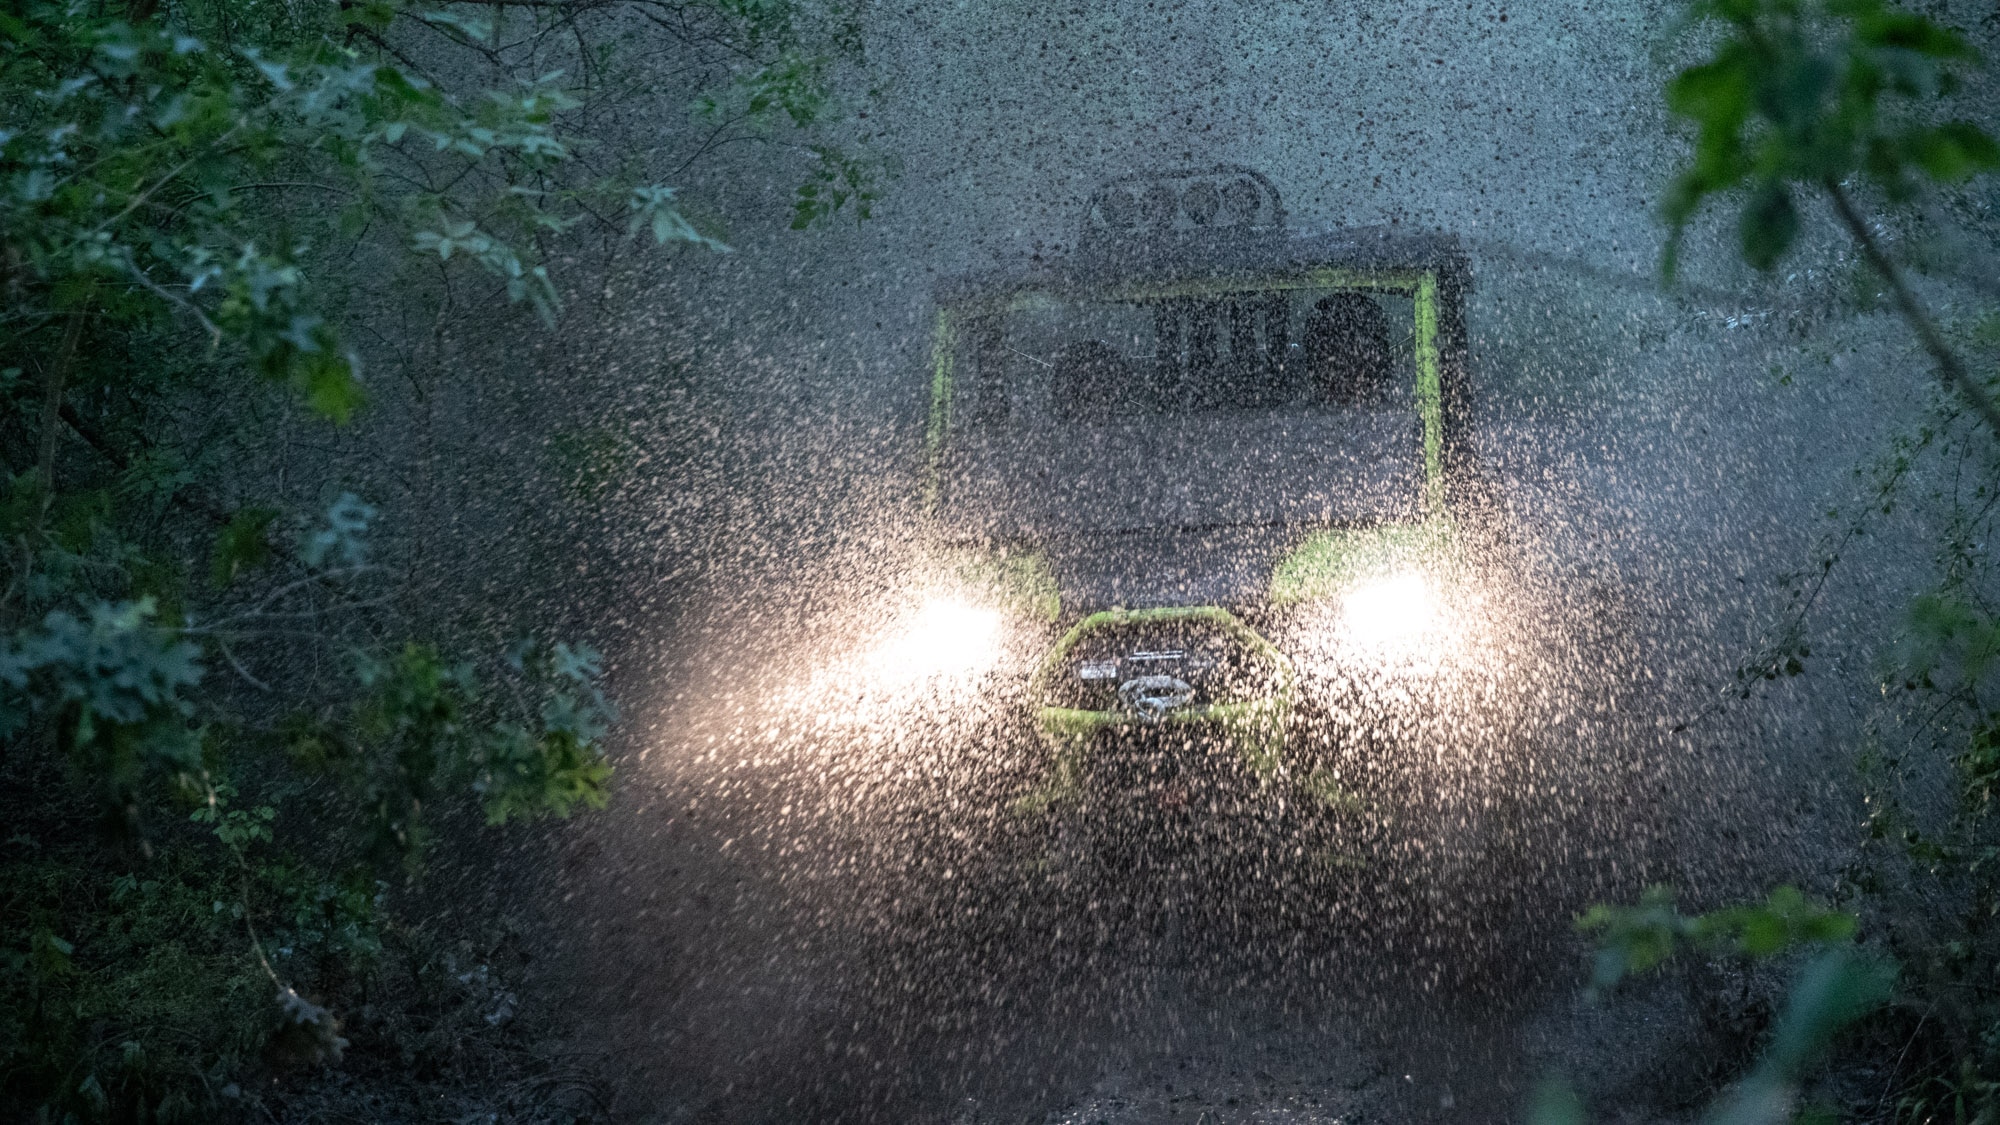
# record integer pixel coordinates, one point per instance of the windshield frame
(1420, 285)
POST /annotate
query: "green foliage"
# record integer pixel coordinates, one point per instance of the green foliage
(200, 204)
(1819, 95)
(136, 159)
(1813, 93)
(113, 686)
(1637, 939)
(653, 209)
(1949, 639)
(243, 544)
(120, 998)
(837, 180)
(119, 692)
(164, 256)
(547, 764)
(1936, 873)
(1835, 986)
(412, 730)
(342, 542)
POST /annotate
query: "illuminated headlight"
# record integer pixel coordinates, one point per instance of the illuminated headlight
(1391, 612)
(945, 637)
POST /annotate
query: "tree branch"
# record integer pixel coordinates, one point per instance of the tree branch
(1951, 369)
(52, 394)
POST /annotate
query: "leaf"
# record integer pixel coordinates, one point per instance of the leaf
(1769, 225)
(1832, 991)
(472, 27)
(276, 73)
(1555, 1103)
(51, 957)
(1763, 934)
(580, 664)
(347, 522)
(653, 206)
(376, 15)
(1906, 31)
(242, 544)
(1632, 939)
(1716, 94)
(1953, 151)
(1797, 93)
(331, 388)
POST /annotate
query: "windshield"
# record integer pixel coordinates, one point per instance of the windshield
(1258, 406)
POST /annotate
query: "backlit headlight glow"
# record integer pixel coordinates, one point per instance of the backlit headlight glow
(944, 638)
(1393, 612)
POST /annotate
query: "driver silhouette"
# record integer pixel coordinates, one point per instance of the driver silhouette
(1346, 348)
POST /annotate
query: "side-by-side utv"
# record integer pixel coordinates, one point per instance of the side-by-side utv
(1198, 420)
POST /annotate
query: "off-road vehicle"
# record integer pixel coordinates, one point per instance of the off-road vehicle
(1197, 425)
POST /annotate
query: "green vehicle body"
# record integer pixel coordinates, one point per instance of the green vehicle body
(1320, 560)
(1257, 726)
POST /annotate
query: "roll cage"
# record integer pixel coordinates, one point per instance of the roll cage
(1171, 258)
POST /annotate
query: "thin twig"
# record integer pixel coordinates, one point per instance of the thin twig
(1890, 1085)
(209, 326)
(261, 611)
(1025, 355)
(140, 199)
(230, 656)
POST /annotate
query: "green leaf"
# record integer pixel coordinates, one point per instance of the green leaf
(1764, 933)
(1797, 93)
(331, 388)
(376, 15)
(1953, 151)
(1832, 991)
(343, 541)
(1632, 939)
(1555, 1103)
(1906, 31)
(242, 544)
(472, 27)
(51, 957)
(654, 206)
(1769, 225)
(1717, 94)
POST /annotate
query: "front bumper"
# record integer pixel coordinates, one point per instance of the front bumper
(1079, 742)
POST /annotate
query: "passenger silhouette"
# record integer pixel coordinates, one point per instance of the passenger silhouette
(1346, 347)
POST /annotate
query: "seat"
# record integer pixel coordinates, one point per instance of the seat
(1346, 346)
(1093, 381)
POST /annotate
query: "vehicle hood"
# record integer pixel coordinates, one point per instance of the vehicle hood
(1221, 566)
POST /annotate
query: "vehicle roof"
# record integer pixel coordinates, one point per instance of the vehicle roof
(1170, 260)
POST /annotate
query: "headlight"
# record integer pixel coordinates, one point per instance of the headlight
(944, 638)
(1396, 623)
(1390, 613)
